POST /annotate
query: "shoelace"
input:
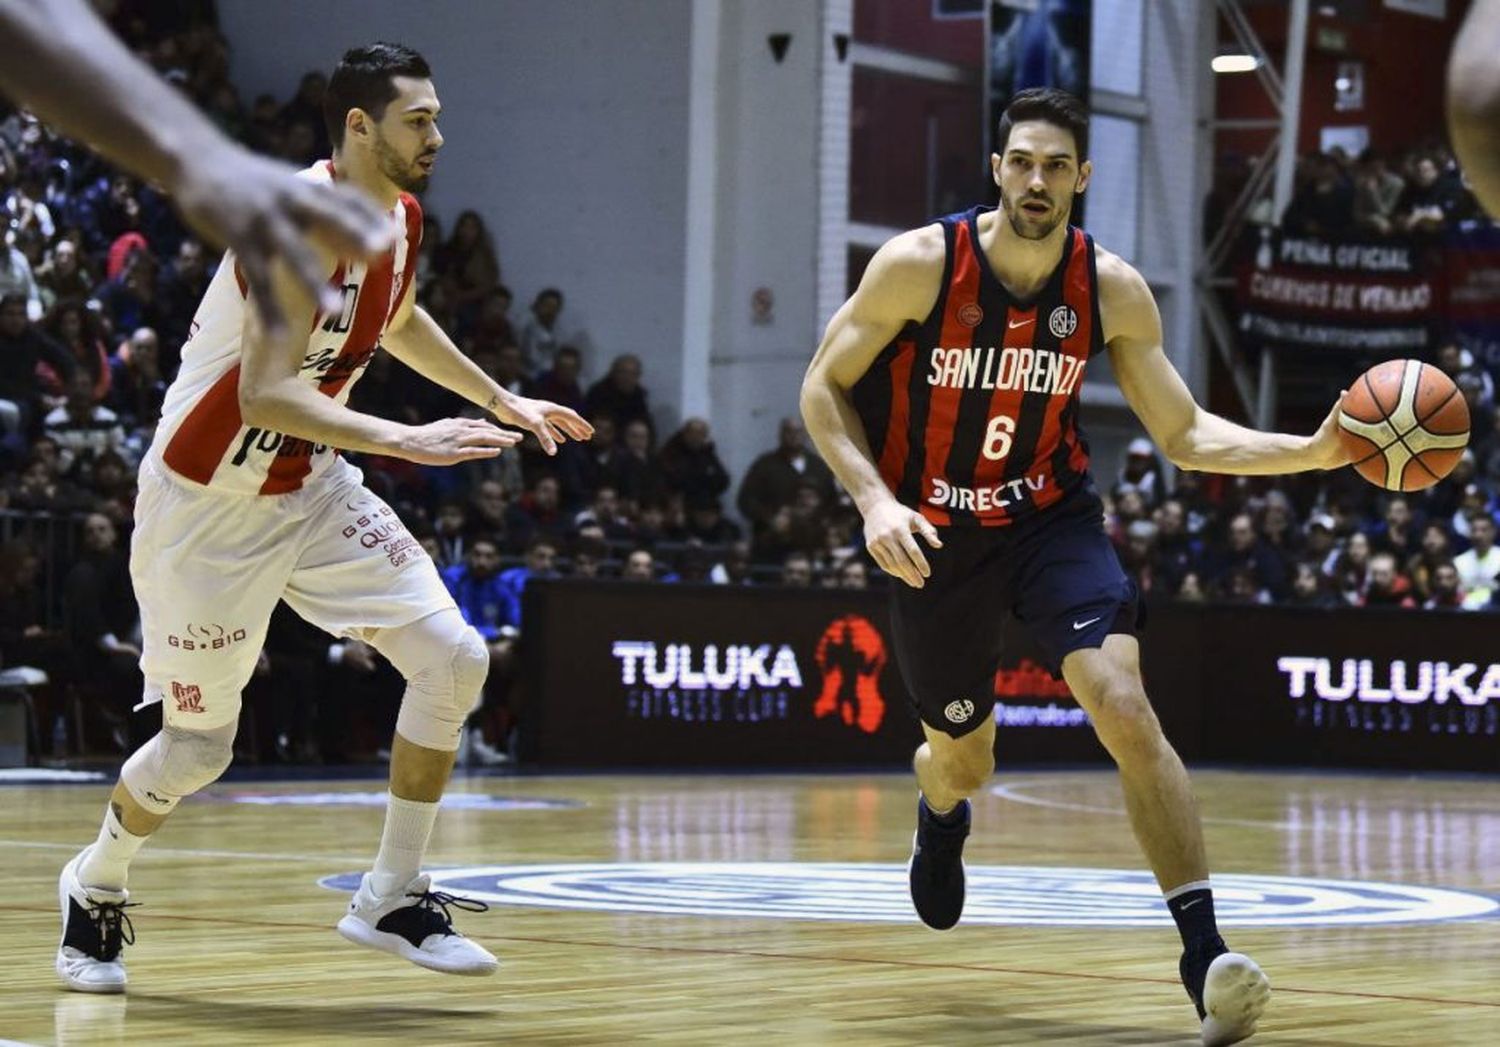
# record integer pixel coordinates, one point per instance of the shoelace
(113, 927)
(437, 903)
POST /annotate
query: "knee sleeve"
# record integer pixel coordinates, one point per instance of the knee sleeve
(445, 662)
(177, 763)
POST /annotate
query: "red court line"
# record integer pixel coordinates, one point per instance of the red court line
(820, 958)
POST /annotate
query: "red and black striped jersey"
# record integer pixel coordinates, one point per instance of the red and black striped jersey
(972, 414)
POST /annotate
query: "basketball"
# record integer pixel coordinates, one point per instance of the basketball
(1405, 424)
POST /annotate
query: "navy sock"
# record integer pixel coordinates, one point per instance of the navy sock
(1194, 912)
(951, 818)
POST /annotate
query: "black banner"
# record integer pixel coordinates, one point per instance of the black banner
(620, 675)
(628, 675)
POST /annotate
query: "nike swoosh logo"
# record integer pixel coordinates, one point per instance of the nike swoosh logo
(1187, 905)
(1013, 324)
(1081, 625)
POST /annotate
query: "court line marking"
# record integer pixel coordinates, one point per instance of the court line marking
(184, 852)
(692, 950)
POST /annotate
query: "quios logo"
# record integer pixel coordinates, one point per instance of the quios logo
(1003, 895)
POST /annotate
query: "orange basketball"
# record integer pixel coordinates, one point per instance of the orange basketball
(1406, 425)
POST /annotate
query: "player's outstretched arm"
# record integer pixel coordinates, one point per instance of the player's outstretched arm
(1190, 436)
(1474, 101)
(61, 61)
(900, 285)
(271, 396)
(417, 341)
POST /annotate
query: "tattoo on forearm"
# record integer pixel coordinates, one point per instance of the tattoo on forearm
(492, 403)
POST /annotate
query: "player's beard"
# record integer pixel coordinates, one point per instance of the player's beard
(1030, 230)
(403, 174)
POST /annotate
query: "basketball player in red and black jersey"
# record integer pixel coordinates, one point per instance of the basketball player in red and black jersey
(945, 398)
(1474, 102)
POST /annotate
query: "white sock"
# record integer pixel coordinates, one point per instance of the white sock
(408, 824)
(106, 862)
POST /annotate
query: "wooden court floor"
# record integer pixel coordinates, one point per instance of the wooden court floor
(236, 942)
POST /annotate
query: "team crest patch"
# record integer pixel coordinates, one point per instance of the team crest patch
(1063, 321)
(188, 696)
(959, 711)
(970, 315)
(997, 895)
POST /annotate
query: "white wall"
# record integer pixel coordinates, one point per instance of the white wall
(566, 128)
(767, 220)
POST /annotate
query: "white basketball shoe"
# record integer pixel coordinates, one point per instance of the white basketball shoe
(94, 931)
(414, 924)
(1235, 994)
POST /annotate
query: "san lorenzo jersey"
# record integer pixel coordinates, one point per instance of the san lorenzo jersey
(202, 437)
(972, 415)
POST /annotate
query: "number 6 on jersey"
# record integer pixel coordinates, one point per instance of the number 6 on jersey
(997, 437)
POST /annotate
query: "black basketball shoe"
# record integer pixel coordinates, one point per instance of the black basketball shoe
(414, 924)
(936, 870)
(95, 929)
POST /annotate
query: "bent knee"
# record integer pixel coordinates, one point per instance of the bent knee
(1126, 723)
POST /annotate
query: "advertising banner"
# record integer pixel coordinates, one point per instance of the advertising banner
(625, 675)
(1311, 293)
(622, 675)
(1472, 256)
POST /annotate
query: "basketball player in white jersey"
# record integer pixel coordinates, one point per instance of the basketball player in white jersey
(245, 501)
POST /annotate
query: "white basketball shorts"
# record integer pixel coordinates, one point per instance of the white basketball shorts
(209, 567)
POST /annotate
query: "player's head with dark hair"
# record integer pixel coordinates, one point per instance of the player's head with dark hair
(1040, 160)
(380, 98)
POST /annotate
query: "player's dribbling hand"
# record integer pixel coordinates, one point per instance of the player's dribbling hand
(262, 211)
(550, 423)
(1325, 448)
(889, 529)
(452, 440)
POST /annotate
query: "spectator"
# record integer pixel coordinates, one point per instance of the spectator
(1247, 551)
(1142, 471)
(1324, 203)
(1176, 551)
(853, 574)
(706, 521)
(1386, 586)
(1478, 566)
(102, 619)
(640, 566)
(17, 279)
(1191, 590)
(734, 569)
(539, 338)
(82, 429)
(633, 467)
(582, 467)
(450, 529)
(560, 383)
(797, 571)
(468, 264)
(492, 326)
(773, 477)
(182, 287)
(589, 555)
(690, 465)
(63, 277)
(694, 564)
(1447, 593)
(78, 330)
(24, 637)
(487, 604)
(1434, 551)
(137, 387)
(40, 486)
(541, 562)
(306, 108)
(488, 512)
(605, 513)
(1140, 560)
(1396, 535)
(1377, 189)
(620, 394)
(130, 299)
(1423, 207)
(1310, 587)
(1319, 543)
(1351, 567)
(539, 511)
(508, 369)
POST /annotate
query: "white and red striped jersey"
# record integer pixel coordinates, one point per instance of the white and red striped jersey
(201, 436)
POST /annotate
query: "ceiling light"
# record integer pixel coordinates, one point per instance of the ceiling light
(1235, 64)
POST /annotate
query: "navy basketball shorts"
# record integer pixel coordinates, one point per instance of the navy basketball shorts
(1056, 571)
